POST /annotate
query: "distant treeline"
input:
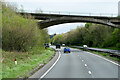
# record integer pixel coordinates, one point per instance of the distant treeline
(18, 33)
(93, 35)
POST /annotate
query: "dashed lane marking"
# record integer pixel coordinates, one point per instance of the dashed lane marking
(89, 72)
(85, 65)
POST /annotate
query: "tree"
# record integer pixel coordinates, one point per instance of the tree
(22, 8)
(116, 38)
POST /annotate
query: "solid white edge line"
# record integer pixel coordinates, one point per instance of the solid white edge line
(104, 59)
(51, 66)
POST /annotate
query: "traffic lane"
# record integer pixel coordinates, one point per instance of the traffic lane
(69, 66)
(100, 68)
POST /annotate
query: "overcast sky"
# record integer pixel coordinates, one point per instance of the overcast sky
(80, 6)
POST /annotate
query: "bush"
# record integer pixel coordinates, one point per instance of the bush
(18, 33)
(118, 45)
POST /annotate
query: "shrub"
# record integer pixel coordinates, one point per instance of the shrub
(18, 33)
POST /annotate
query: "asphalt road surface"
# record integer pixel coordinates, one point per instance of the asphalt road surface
(81, 64)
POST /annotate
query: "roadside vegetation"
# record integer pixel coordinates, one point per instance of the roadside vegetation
(24, 64)
(22, 40)
(93, 35)
(18, 33)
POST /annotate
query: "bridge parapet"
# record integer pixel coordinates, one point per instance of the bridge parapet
(72, 13)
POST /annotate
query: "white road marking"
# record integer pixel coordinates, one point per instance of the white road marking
(85, 65)
(104, 58)
(51, 66)
(89, 72)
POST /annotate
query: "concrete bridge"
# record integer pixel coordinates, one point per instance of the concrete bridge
(48, 20)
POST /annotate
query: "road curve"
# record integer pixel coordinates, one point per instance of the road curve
(81, 64)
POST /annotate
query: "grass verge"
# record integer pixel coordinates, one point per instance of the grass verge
(37, 56)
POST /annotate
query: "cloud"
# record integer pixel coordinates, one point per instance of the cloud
(63, 28)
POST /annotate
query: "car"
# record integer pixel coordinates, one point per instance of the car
(63, 44)
(67, 49)
(84, 46)
(58, 46)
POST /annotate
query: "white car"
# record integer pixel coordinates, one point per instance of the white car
(84, 46)
(63, 44)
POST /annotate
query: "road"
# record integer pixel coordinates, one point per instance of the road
(81, 64)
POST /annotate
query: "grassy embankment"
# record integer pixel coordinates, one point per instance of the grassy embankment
(25, 65)
(22, 37)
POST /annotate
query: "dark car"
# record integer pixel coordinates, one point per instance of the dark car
(46, 45)
(67, 49)
(57, 46)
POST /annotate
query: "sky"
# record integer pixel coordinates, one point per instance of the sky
(69, 6)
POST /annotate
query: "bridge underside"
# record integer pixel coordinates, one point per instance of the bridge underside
(62, 20)
(55, 19)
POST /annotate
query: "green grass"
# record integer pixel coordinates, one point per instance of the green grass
(25, 65)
